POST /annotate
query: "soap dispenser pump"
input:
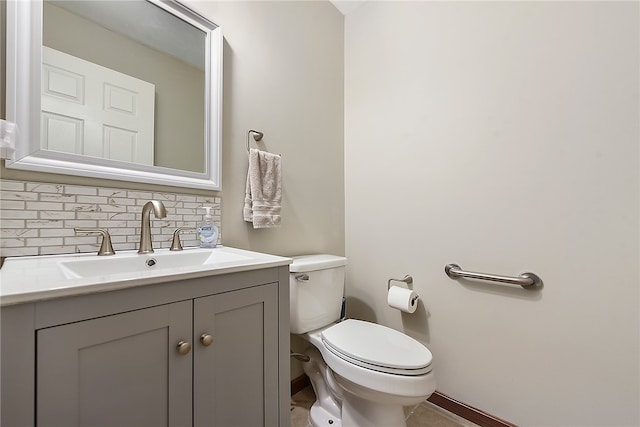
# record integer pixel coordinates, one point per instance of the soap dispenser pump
(208, 232)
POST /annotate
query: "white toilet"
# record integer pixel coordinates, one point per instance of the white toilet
(363, 373)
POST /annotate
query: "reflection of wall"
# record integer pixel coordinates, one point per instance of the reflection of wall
(179, 132)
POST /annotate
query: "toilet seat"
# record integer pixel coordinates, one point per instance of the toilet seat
(377, 347)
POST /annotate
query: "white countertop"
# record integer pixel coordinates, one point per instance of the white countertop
(35, 278)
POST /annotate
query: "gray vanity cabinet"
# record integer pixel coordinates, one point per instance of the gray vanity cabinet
(119, 370)
(237, 365)
(114, 359)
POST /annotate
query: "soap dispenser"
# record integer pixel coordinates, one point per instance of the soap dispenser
(208, 232)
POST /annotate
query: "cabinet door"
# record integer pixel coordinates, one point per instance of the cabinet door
(236, 376)
(121, 370)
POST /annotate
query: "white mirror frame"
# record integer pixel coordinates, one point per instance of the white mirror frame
(24, 59)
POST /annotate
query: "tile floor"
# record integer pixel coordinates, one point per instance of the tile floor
(423, 415)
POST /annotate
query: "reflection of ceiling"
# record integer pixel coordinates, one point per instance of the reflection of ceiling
(145, 23)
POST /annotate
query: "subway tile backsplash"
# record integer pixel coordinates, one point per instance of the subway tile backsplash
(38, 218)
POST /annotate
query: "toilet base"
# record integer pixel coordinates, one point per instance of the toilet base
(326, 410)
(319, 417)
(336, 405)
(365, 413)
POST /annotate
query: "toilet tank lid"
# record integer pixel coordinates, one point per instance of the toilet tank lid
(305, 263)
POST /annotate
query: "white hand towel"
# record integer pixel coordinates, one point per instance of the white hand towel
(263, 195)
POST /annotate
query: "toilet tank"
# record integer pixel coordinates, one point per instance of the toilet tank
(316, 285)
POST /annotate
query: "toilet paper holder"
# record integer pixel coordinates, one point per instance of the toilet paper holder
(408, 280)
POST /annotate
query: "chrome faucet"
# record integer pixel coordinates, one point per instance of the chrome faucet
(106, 248)
(146, 246)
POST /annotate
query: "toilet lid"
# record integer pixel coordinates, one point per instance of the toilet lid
(377, 347)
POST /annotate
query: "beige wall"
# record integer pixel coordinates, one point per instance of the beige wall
(283, 75)
(502, 136)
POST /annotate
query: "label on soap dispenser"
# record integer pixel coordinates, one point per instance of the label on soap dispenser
(208, 232)
(208, 235)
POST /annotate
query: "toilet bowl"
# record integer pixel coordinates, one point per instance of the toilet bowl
(363, 373)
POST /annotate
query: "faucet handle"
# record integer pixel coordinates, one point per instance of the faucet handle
(105, 248)
(176, 245)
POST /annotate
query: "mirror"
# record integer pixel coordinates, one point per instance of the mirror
(141, 102)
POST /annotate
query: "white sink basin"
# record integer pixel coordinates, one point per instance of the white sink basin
(35, 278)
(136, 263)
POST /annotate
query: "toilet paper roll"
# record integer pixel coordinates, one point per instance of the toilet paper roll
(403, 299)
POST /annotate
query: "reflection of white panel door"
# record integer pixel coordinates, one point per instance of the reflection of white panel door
(95, 111)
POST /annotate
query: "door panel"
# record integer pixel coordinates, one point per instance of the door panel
(238, 369)
(121, 370)
(101, 100)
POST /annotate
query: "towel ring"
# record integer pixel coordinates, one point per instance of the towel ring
(257, 136)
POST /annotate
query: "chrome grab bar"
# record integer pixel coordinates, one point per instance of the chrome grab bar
(526, 280)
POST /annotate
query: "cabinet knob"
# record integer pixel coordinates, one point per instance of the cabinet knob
(206, 339)
(184, 347)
